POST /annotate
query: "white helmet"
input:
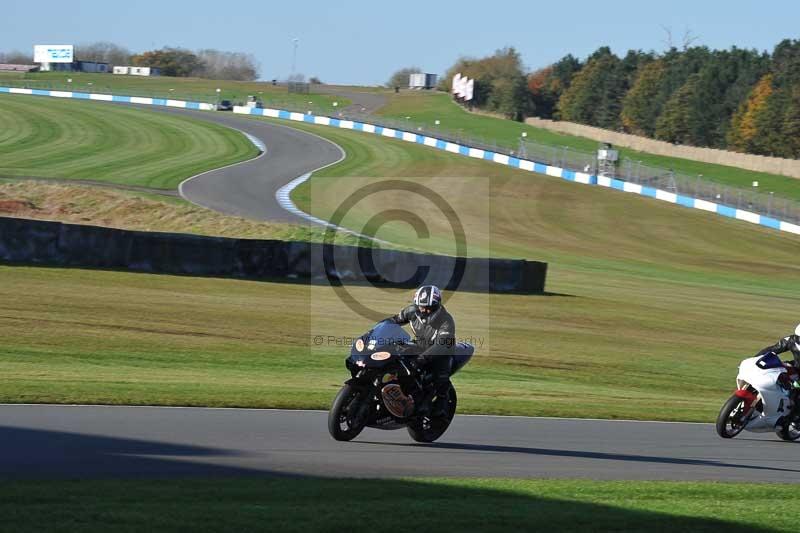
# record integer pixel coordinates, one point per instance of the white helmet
(797, 330)
(427, 301)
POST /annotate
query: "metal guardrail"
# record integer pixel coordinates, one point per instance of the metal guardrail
(700, 187)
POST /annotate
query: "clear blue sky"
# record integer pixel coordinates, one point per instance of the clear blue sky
(359, 42)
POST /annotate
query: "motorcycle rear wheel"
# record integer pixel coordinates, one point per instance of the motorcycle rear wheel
(341, 422)
(429, 429)
(789, 432)
(729, 420)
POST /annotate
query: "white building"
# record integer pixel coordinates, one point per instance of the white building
(138, 71)
(422, 81)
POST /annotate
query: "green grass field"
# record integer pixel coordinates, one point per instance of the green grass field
(193, 89)
(425, 108)
(650, 301)
(431, 505)
(49, 137)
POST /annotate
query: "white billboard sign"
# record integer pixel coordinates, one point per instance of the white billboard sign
(456, 83)
(53, 53)
(470, 89)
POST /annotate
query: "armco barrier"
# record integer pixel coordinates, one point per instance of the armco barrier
(503, 159)
(531, 166)
(111, 98)
(64, 245)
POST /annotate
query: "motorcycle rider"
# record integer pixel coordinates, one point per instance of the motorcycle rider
(435, 334)
(790, 343)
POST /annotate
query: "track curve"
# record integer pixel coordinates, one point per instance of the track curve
(248, 189)
(46, 441)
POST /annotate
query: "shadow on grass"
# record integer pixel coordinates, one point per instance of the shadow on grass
(337, 505)
(138, 485)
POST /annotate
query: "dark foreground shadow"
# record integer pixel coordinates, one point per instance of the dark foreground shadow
(583, 454)
(174, 487)
(124, 484)
(45, 454)
(354, 505)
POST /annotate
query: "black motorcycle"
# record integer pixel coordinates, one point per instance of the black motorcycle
(386, 393)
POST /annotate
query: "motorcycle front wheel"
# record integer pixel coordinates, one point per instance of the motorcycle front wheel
(729, 421)
(428, 429)
(345, 420)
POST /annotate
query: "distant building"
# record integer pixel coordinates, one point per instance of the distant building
(422, 81)
(77, 66)
(138, 71)
(9, 67)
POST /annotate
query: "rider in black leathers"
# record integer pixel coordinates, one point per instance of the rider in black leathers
(435, 335)
(786, 344)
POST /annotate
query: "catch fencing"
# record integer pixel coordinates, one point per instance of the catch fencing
(565, 157)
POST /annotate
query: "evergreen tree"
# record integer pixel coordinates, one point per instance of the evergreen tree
(595, 94)
(791, 125)
(675, 123)
(641, 105)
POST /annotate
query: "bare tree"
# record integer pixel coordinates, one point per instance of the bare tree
(103, 52)
(400, 77)
(687, 41)
(16, 57)
(688, 38)
(667, 40)
(217, 64)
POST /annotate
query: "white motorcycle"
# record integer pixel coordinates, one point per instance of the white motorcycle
(763, 400)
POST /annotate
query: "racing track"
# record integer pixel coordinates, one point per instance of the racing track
(79, 441)
(46, 441)
(248, 189)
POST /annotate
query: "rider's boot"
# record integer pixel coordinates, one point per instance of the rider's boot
(439, 408)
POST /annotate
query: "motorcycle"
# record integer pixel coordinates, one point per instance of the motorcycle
(385, 393)
(764, 400)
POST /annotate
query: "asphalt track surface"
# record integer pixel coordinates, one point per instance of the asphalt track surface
(248, 189)
(362, 101)
(44, 441)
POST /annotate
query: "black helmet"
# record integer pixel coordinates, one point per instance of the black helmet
(427, 300)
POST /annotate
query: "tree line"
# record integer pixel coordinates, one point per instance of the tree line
(173, 61)
(735, 99)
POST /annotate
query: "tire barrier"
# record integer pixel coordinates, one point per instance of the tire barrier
(36, 242)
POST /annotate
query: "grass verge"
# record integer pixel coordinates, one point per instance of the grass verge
(435, 505)
(116, 144)
(193, 89)
(425, 108)
(143, 211)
